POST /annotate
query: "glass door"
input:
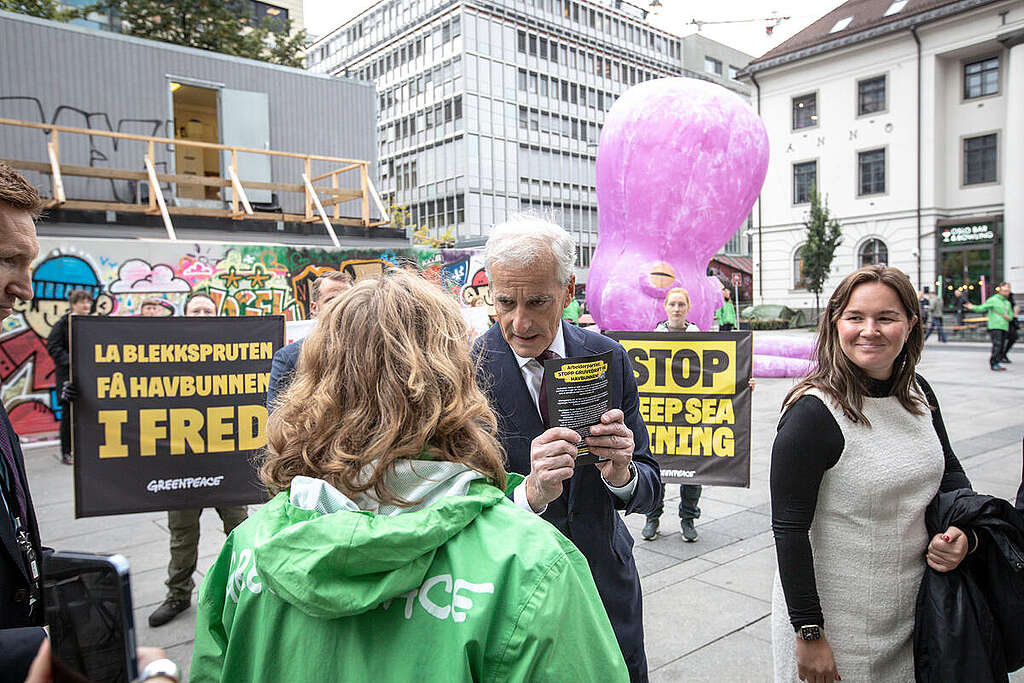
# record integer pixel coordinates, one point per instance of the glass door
(963, 269)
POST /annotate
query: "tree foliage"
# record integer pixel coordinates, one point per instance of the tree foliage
(44, 9)
(823, 236)
(224, 26)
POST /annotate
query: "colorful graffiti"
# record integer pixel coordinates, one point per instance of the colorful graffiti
(243, 279)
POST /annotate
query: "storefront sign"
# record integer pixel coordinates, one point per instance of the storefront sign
(967, 234)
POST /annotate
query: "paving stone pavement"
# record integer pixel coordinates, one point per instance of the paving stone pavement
(706, 604)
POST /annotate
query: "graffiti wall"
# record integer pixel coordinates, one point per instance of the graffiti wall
(243, 279)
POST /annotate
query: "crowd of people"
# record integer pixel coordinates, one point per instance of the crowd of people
(427, 521)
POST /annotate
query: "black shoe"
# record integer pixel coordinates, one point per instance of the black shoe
(1005, 360)
(167, 610)
(689, 531)
(650, 529)
(66, 459)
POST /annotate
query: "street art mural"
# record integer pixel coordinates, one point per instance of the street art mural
(243, 279)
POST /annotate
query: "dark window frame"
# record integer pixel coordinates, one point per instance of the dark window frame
(801, 193)
(800, 113)
(983, 147)
(982, 71)
(866, 98)
(876, 182)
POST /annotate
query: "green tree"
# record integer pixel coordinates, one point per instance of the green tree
(44, 9)
(823, 236)
(224, 26)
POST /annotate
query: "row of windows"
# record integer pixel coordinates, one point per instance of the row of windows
(714, 66)
(570, 92)
(622, 30)
(980, 78)
(436, 115)
(418, 85)
(439, 214)
(980, 165)
(441, 33)
(872, 252)
(568, 126)
(578, 59)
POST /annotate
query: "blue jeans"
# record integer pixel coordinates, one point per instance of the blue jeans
(936, 324)
(689, 496)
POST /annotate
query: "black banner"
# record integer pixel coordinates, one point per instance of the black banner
(695, 400)
(170, 411)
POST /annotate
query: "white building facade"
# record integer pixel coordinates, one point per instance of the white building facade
(909, 118)
(489, 107)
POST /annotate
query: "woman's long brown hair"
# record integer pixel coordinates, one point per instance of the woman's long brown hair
(385, 375)
(837, 377)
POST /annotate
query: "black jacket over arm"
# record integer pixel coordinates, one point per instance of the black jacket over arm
(20, 632)
(586, 511)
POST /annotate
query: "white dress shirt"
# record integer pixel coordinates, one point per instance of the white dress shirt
(533, 375)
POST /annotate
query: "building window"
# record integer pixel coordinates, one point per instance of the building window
(734, 72)
(799, 280)
(712, 66)
(980, 159)
(871, 96)
(805, 176)
(873, 253)
(805, 111)
(871, 167)
(981, 78)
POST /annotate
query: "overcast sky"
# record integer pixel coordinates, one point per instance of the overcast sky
(749, 36)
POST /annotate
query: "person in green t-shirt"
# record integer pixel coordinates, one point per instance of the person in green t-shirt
(725, 316)
(572, 312)
(1000, 313)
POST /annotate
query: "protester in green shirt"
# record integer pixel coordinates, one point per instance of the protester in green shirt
(1000, 313)
(725, 316)
(572, 311)
(390, 550)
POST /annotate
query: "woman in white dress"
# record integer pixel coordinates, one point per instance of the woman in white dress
(860, 452)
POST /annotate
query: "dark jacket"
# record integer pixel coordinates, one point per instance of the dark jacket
(57, 346)
(20, 632)
(282, 370)
(586, 511)
(969, 623)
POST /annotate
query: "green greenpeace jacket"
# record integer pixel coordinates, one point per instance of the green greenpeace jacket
(997, 306)
(465, 586)
(726, 314)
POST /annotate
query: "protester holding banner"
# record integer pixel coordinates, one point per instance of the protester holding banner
(323, 291)
(677, 307)
(390, 551)
(79, 303)
(861, 450)
(184, 524)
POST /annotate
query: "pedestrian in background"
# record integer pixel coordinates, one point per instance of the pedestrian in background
(58, 346)
(725, 316)
(184, 524)
(959, 304)
(1013, 331)
(1000, 313)
(935, 309)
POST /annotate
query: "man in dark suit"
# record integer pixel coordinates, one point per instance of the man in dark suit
(529, 265)
(21, 609)
(323, 291)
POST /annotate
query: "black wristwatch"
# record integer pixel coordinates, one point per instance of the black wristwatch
(809, 632)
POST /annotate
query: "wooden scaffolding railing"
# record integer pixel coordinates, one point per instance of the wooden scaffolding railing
(241, 208)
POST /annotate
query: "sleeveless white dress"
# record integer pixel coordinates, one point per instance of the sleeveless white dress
(868, 540)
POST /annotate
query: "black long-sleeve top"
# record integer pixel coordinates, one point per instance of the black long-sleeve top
(809, 441)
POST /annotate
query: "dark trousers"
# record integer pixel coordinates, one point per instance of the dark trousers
(936, 325)
(184, 528)
(689, 496)
(998, 346)
(725, 327)
(65, 428)
(1011, 338)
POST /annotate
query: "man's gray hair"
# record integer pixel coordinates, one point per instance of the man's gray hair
(523, 240)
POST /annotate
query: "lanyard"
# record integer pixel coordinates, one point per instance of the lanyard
(28, 552)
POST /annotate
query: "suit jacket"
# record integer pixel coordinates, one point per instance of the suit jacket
(586, 511)
(20, 634)
(282, 370)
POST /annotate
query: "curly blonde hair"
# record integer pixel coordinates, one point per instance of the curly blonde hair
(385, 375)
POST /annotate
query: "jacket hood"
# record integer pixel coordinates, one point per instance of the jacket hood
(332, 556)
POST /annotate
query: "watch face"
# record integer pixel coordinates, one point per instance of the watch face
(810, 632)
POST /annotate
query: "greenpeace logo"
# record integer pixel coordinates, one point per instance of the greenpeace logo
(157, 485)
(678, 473)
